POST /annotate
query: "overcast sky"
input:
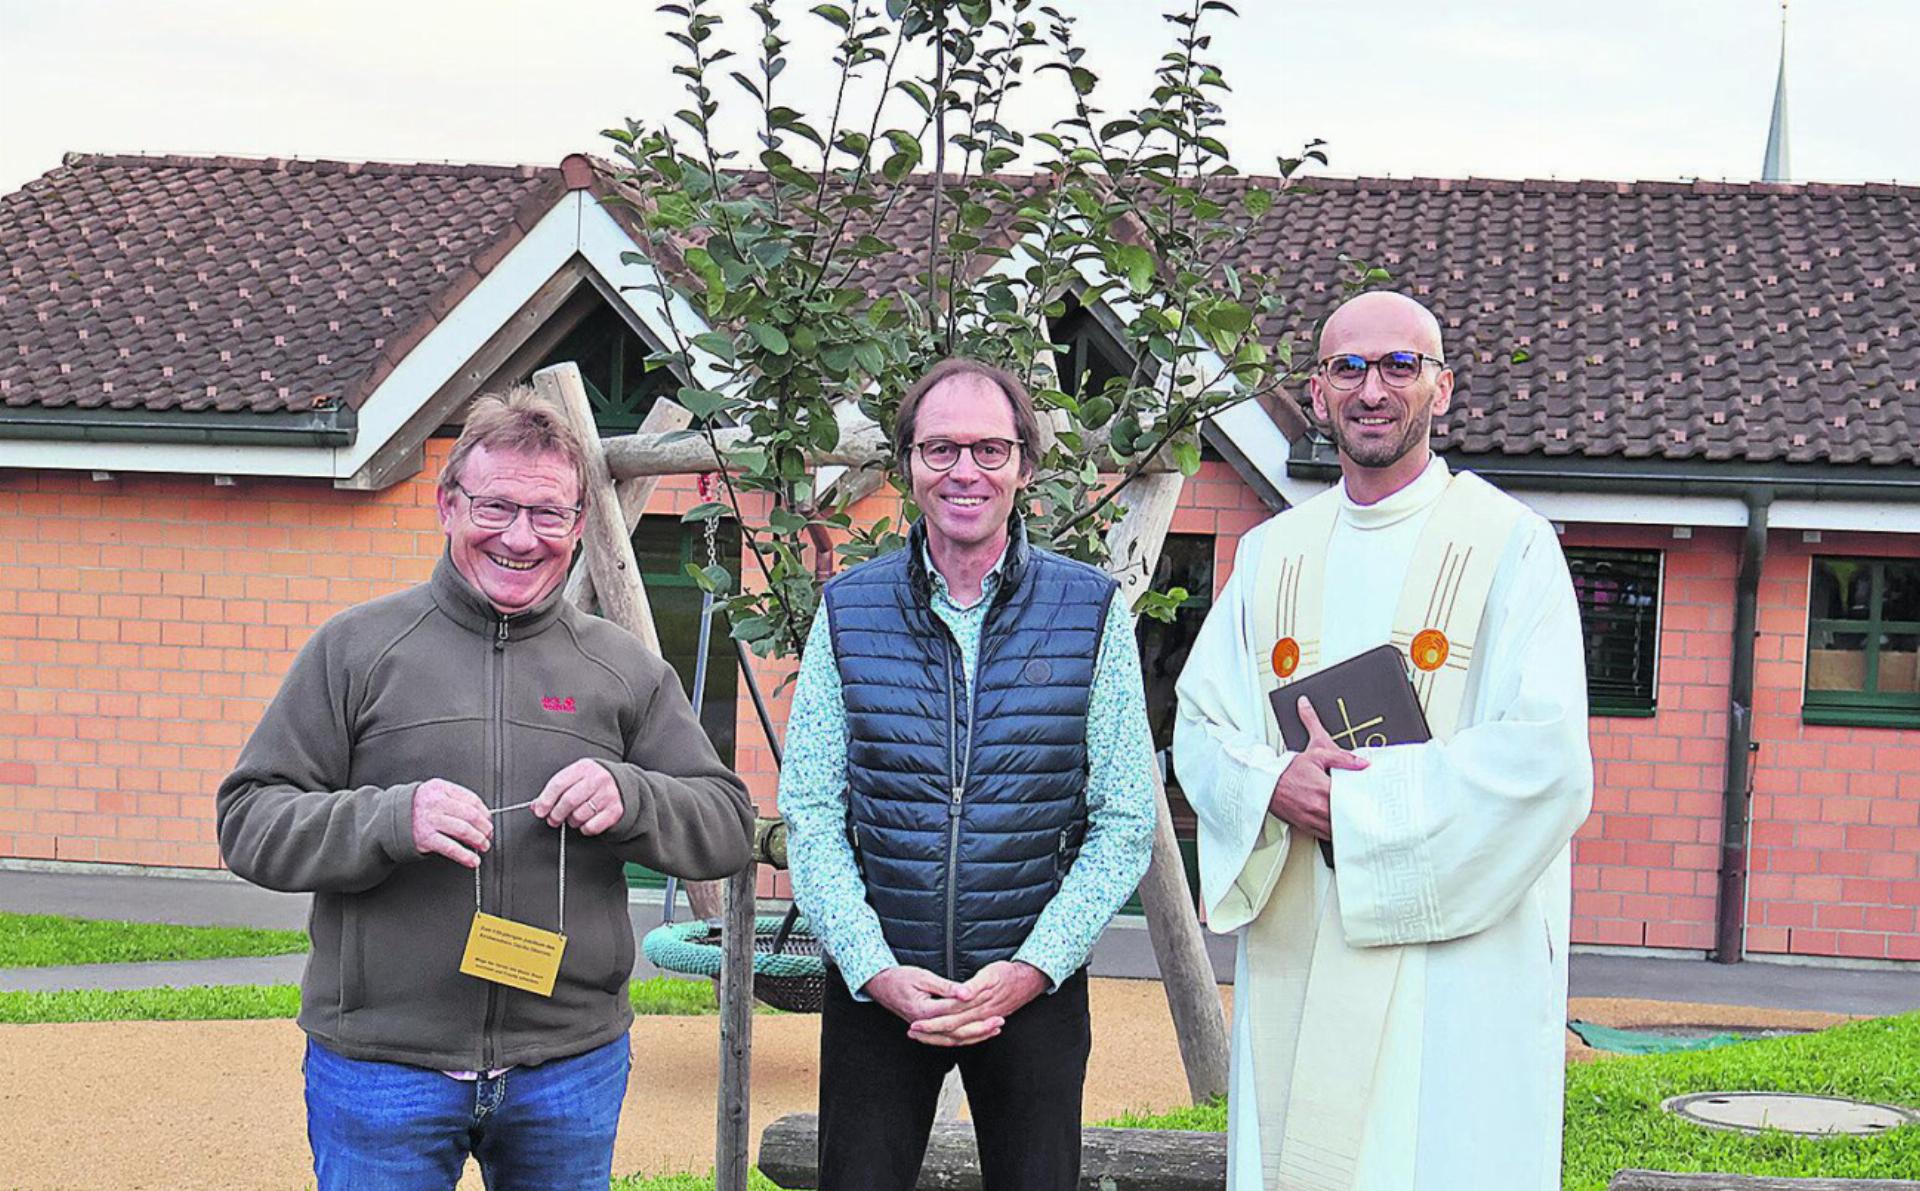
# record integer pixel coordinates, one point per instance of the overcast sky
(1622, 89)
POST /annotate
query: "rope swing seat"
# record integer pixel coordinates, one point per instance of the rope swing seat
(789, 971)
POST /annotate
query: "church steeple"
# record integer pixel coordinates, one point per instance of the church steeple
(1775, 167)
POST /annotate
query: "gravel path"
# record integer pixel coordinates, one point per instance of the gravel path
(180, 1105)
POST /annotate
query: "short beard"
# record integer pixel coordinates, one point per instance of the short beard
(1378, 454)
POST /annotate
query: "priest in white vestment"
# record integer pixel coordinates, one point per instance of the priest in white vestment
(1399, 1017)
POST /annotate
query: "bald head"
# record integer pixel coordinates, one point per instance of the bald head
(1381, 314)
(1380, 422)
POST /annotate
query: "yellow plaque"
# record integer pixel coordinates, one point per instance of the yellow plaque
(514, 954)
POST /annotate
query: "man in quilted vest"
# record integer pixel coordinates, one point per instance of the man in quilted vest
(969, 800)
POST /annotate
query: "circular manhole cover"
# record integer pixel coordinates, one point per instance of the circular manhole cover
(1813, 1116)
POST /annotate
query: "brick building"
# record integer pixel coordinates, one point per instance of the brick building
(226, 386)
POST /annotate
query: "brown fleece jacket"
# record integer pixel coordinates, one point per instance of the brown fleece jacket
(432, 682)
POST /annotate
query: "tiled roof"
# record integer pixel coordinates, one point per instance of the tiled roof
(229, 284)
(1761, 323)
(1757, 323)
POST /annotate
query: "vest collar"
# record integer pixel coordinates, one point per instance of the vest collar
(1426, 488)
(466, 607)
(1011, 568)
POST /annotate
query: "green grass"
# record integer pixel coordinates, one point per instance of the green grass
(662, 996)
(236, 1002)
(1210, 1117)
(1614, 1120)
(43, 940)
(687, 1182)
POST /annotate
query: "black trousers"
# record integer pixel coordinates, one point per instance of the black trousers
(879, 1090)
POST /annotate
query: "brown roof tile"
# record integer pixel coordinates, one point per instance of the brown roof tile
(237, 284)
(1755, 323)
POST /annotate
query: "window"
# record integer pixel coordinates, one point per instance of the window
(1088, 357)
(1619, 595)
(612, 361)
(1863, 642)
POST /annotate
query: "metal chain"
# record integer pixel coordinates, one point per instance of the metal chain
(563, 866)
(712, 524)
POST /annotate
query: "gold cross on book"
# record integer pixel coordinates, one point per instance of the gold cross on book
(1352, 732)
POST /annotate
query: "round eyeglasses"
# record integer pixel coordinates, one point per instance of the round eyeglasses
(989, 454)
(495, 513)
(1397, 369)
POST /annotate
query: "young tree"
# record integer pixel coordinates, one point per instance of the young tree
(912, 219)
(796, 256)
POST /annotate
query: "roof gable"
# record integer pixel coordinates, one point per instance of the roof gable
(182, 284)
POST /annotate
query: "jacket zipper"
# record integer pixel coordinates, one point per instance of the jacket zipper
(959, 791)
(959, 784)
(491, 1036)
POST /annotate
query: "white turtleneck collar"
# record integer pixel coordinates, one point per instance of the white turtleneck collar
(1425, 489)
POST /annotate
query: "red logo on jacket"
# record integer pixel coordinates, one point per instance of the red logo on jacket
(556, 703)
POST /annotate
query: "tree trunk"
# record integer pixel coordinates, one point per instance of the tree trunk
(733, 1126)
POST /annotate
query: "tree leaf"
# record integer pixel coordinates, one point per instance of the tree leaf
(773, 339)
(714, 343)
(709, 511)
(1134, 263)
(784, 521)
(704, 403)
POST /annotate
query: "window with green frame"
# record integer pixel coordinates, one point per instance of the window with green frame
(1863, 642)
(613, 364)
(1619, 596)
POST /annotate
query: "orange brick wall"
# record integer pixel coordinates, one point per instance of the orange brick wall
(1836, 810)
(145, 622)
(1645, 863)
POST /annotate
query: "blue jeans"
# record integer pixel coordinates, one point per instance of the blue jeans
(393, 1127)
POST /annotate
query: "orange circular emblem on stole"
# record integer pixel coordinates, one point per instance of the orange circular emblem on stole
(1430, 649)
(1286, 657)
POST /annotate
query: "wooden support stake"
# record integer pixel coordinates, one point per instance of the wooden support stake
(616, 573)
(733, 1127)
(861, 443)
(664, 418)
(623, 600)
(1179, 948)
(632, 497)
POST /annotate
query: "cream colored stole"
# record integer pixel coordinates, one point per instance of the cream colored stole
(1318, 1080)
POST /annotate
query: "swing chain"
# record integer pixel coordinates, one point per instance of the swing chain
(712, 526)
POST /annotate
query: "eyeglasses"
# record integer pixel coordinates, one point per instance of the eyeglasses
(494, 512)
(1397, 369)
(989, 454)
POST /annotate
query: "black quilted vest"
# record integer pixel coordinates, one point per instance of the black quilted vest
(966, 812)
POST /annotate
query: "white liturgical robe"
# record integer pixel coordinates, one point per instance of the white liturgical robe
(1466, 1091)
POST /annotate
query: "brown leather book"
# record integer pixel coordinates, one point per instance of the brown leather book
(1366, 701)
